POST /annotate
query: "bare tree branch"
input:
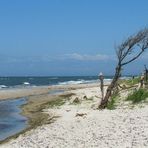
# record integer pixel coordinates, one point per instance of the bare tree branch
(134, 58)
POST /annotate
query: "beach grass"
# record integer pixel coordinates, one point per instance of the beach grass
(130, 82)
(54, 103)
(112, 102)
(138, 96)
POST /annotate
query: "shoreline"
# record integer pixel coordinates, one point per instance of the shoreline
(32, 110)
(77, 123)
(37, 100)
(14, 93)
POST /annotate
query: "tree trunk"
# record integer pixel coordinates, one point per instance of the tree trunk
(110, 87)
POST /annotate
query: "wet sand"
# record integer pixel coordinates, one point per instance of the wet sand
(13, 93)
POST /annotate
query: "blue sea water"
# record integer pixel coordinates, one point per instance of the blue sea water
(11, 121)
(6, 82)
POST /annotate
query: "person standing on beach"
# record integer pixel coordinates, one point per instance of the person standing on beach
(101, 78)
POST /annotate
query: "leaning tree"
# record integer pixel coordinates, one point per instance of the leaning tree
(127, 52)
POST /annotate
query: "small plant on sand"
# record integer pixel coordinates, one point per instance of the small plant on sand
(75, 101)
(111, 104)
(57, 102)
(138, 96)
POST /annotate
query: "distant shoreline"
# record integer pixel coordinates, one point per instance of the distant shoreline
(14, 93)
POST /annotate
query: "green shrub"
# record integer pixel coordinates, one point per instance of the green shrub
(56, 102)
(134, 81)
(111, 103)
(138, 96)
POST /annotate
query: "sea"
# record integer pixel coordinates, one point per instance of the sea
(11, 120)
(10, 82)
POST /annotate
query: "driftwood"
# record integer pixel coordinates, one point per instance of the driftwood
(81, 114)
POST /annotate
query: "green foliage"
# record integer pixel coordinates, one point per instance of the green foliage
(67, 96)
(111, 103)
(56, 102)
(59, 101)
(138, 96)
(130, 82)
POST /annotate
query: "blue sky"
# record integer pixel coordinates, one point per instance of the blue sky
(67, 37)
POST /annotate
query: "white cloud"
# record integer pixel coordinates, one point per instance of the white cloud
(49, 58)
(86, 57)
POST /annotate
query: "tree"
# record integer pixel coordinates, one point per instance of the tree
(127, 52)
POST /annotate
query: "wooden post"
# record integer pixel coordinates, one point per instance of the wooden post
(146, 74)
(142, 81)
(101, 77)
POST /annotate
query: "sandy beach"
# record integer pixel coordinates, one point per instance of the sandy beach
(81, 125)
(32, 91)
(73, 74)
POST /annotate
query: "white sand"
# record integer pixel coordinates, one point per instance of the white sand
(120, 128)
